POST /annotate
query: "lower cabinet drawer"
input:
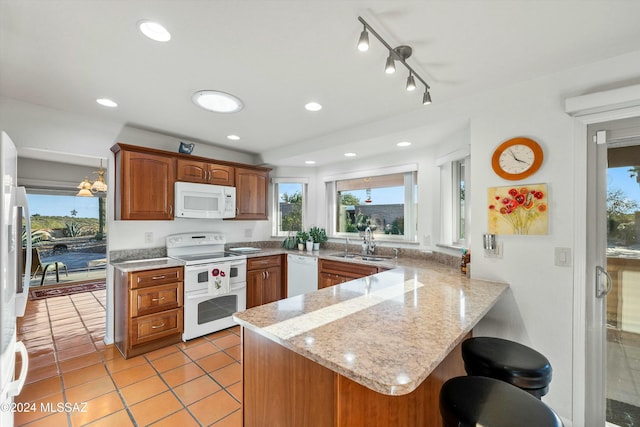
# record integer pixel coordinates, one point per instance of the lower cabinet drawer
(155, 299)
(155, 326)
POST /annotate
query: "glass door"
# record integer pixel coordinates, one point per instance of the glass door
(623, 266)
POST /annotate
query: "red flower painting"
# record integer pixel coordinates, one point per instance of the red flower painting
(518, 210)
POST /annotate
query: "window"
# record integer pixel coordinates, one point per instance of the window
(459, 201)
(289, 205)
(386, 203)
(454, 187)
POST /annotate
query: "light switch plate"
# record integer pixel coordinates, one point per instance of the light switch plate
(148, 237)
(562, 257)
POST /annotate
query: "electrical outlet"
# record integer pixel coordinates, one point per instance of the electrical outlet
(496, 253)
(248, 232)
(148, 237)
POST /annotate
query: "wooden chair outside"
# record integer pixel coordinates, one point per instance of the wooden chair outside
(37, 265)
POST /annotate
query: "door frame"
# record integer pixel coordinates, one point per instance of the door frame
(588, 343)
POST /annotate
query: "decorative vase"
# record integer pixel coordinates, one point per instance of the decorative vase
(316, 246)
(301, 246)
(310, 246)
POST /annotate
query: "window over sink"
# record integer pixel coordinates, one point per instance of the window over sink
(383, 200)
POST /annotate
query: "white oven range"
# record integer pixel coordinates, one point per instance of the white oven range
(203, 253)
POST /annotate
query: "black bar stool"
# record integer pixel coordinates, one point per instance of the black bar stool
(507, 361)
(475, 401)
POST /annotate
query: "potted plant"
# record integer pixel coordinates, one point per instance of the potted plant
(319, 235)
(302, 236)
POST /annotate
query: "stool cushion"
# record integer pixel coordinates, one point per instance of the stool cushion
(508, 361)
(475, 401)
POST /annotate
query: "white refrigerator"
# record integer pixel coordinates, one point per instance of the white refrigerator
(14, 277)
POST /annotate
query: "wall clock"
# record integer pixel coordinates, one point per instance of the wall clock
(517, 158)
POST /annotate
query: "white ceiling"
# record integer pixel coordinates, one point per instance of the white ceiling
(278, 55)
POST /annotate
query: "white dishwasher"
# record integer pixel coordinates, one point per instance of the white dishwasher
(302, 274)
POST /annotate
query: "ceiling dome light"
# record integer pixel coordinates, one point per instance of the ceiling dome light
(233, 137)
(106, 102)
(216, 101)
(310, 162)
(403, 144)
(154, 31)
(313, 106)
(349, 154)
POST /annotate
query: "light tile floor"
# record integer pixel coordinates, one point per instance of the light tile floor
(75, 380)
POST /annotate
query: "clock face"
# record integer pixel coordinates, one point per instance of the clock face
(517, 158)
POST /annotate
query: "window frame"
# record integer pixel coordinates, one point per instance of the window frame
(450, 197)
(410, 173)
(276, 223)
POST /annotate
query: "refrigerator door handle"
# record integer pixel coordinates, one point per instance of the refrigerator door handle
(15, 387)
(21, 298)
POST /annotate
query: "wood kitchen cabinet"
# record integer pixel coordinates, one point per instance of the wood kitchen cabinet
(332, 272)
(205, 172)
(145, 179)
(148, 309)
(144, 184)
(251, 193)
(264, 280)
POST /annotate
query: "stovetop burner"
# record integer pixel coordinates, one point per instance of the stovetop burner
(199, 248)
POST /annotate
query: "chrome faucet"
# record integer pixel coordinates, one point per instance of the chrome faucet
(368, 241)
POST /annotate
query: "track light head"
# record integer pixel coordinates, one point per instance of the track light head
(363, 42)
(411, 83)
(426, 98)
(390, 66)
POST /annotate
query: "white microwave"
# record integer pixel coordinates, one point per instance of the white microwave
(204, 201)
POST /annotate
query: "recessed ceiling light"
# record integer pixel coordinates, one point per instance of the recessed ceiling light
(233, 137)
(310, 162)
(106, 102)
(403, 144)
(216, 101)
(154, 31)
(349, 154)
(313, 106)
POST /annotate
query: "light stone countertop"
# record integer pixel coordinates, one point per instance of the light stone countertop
(388, 331)
(147, 264)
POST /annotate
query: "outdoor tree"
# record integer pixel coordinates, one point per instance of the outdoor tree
(291, 211)
(621, 217)
(348, 199)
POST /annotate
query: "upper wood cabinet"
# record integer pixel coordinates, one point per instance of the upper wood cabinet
(144, 185)
(251, 194)
(205, 172)
(145, 179)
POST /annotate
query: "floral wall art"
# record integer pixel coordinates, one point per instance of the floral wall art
(518, 210)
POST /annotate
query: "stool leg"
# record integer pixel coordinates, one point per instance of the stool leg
(57, 273)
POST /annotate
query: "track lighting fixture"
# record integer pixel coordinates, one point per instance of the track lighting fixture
(426, 98)
(390, 66)
(411, 83)
(363, 42)
(400, 54)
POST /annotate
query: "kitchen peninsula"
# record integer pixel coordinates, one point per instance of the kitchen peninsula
(372, 351)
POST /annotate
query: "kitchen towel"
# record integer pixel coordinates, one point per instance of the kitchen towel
(219, 283)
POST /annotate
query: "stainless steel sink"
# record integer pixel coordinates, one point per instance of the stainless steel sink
(374, 258)
(345, 255)
(361, 256)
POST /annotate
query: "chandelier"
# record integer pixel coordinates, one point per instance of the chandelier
(88, 188)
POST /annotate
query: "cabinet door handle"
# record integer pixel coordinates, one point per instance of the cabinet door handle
(158, 277)
(157, 326)
(157, 299)
(170, 209)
